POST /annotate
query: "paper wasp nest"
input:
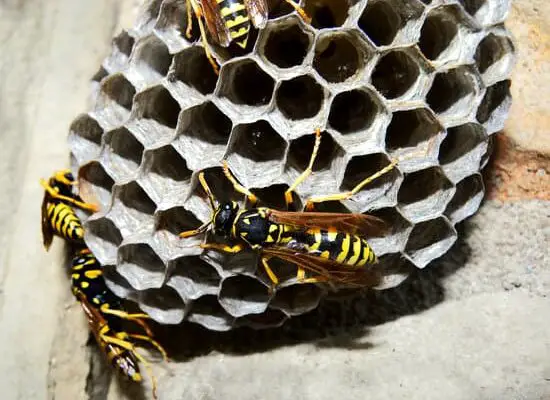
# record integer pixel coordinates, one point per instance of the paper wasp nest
(380, 77)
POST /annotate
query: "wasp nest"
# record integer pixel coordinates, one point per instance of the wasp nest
(380, 77)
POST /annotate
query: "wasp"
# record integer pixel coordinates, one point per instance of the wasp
(329, 245)
(230, 21)
(58, 215)
(105, 315)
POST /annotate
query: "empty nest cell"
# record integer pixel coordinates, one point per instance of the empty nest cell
(395, 237)
(193, 69)
(300, 98)
(244, 82)
(382, 20)
(176, 220)
(171, 24)
(163, 305)
(460, 140)
(95, 184)
(395, 73)
(468, 196)
(353, 111)
(429, 240)
(124, 43)
(119, 90)
(327, 13)
(297, 299)
(123, 151)
(472, 6)
(193, 277)
(152, 58)
(338, 57)
(103, 238)
(449, 88)
(424, 194)
(140, 265)
(258, 142)
(497, 97)
(300, 150)
(491, 50)
(134, 197)
(157, 104)
(410, 128)
(242, 295)
(286, 43)
(208, 312)
(439, 30)
(269, 319)
(85, 136)
(272, 196)
(206, 123)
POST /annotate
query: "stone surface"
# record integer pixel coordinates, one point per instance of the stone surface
(479, 328)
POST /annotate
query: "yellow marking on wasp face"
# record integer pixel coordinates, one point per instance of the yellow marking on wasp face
(244, 234)
(269, 239)
(325, 254)
(93, 274)
(246, 221)
(84, 285)
(95, 300)
(273, 228)
(75, 276)
(233, 8)
(356, 251)
(345, 249)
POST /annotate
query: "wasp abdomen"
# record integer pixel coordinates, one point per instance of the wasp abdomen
(64, 221)
(237, 20)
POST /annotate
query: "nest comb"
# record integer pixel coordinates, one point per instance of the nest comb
(380, 77)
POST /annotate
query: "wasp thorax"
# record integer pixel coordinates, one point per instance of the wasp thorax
(224, 217)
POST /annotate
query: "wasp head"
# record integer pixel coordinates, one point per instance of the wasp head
(224, 217)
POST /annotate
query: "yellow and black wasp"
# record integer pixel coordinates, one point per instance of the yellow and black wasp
(105, 314)
(230, 20)
(58, 215)
(329, 245)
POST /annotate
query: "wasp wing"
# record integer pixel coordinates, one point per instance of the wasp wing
(367, 225)
(47, 231)
(258, 12)
(334, 272)
(215, 23)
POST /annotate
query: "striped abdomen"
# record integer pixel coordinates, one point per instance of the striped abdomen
(64, 221)
(123, 360)
(341, 247)
(236, 19)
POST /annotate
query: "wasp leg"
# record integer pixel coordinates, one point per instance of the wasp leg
(222, 247)
(317, 279)
(346, 195)
(289, 199)
(130, 347)
(300, 11)
(137, 318)
(52, 192)
(272, 277)
(189, 29)
(252, 199)
(153, 342)
(198, 14)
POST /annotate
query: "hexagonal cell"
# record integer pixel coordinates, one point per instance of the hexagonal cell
(410, 128)
(193, 69)
(94, 184)
(132, 209)
(165, 174)
(353, 111)
(424, 194)
(268, 319)
(429, 240)
(204, 131)
(171, 25)
(339, 56)
(487, 12)
(116, 283)
(103, 238)
(176, 220)
(395, 73)
(256, 151)
(244, 82)
(124, 43)
(208, 312)
(115, 100)
(439, 30)
(285, 43)
(494, 106)
(395, 239)
(494, 58)
(122, 46)
(452, 93)
(140, 266)
(163, 305)
(327, 13)
(297, 299)
(193, 277)
(242, 295)
(395, 269)
(121, 154)
(384, 21)
(100, 74)
(330, 160)
(381, 189)
(84, 139)
(461, 151)
(155, 116)
(467, 199)
(149, 62)
(300, 98)
(134, 197)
